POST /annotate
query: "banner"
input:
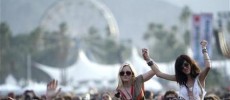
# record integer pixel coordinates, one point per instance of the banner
(202, 29)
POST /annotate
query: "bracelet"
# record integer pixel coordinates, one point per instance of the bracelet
(150, 63)
(204, 50)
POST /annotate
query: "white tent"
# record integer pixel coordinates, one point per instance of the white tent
(83, 70)
(38, 88)
(55, 73)
(9, 86)
(10, 80)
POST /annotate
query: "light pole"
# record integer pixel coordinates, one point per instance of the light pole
(28, 68)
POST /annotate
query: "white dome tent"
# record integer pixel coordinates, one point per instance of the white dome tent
(55, 73)
(88, 70)
(83, 71)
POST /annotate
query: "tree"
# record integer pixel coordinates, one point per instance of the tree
(228, 26)
(215, 78)
(164, 44)
(185, 15)
(5, 37)
(184, 18)
(37, 40)
(105, 50)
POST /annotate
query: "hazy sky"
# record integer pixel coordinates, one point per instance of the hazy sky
(200, 6)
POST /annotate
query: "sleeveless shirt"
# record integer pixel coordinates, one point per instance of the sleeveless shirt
(198, 91)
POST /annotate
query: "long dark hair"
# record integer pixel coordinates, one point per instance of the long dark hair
(181, 77)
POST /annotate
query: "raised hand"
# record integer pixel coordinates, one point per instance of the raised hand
(203, 43)
(145, 54)
(52, 89)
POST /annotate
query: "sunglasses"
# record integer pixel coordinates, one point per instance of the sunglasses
(128, 73)
(185, 64)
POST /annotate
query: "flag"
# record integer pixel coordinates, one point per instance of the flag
(202, 29)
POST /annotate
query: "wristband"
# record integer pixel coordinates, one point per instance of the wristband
(150, 63)
(204, 50)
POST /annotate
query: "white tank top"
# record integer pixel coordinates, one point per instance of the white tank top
(197, 91)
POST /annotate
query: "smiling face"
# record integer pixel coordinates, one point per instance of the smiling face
(186, 68)
(126, 74)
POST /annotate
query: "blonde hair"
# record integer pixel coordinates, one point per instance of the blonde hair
(134, 74)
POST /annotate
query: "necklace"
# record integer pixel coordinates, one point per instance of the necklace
(190, 93)
(128, 93)
(190, 88)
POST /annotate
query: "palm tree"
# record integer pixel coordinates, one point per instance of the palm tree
(184, 17)
(5, 37)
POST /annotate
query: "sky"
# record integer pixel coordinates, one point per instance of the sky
(29, 13)
(200, 6)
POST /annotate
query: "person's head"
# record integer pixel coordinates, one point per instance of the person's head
(29, 94)
(148, 95)
(77, 98)
(170, 95)
(106, 96)
(11, 94)
(184, 67)
(211, 97)
(43, 97)
(67, 97)
(227, 95)
(126, 74)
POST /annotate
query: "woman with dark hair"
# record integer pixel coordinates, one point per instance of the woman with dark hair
(189, 76)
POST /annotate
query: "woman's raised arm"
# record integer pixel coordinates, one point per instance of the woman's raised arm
(154, 67)
(207, 63)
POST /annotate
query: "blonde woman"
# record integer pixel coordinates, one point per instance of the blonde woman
(130, 86)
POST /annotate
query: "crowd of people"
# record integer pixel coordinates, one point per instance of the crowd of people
(188, 75)
(149, 95)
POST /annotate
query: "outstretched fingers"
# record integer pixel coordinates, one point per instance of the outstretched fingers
(52, 89)
(203, 43)
(145, 54)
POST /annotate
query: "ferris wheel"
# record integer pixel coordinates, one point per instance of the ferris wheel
(80, 16)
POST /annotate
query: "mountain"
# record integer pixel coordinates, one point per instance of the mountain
(133, 16)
